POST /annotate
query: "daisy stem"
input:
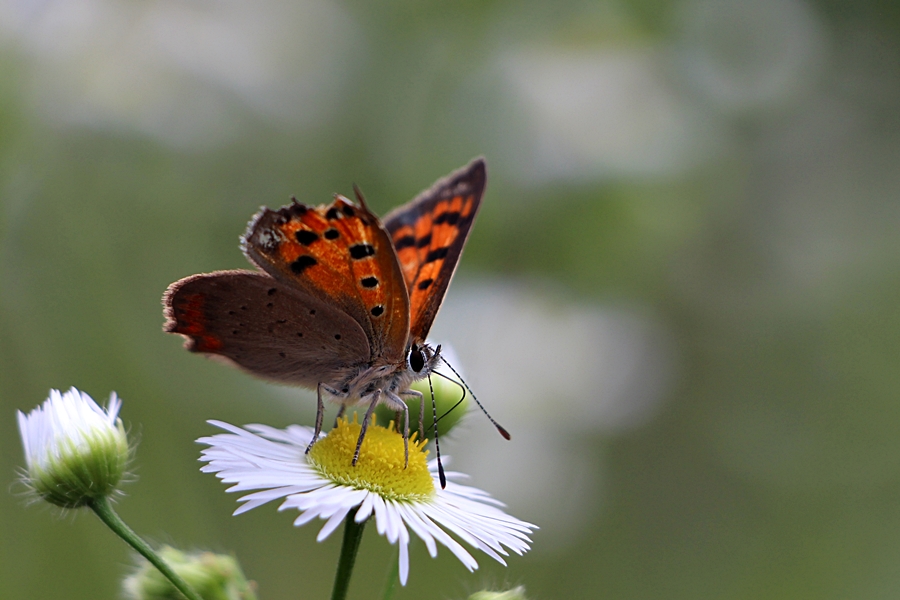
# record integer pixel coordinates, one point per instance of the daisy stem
(103, 509)
(391, 584)
(349, 548)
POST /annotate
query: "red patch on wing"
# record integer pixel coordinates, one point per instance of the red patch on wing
(190, 319)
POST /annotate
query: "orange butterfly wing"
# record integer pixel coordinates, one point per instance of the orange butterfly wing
(429, 234)
(340, 254)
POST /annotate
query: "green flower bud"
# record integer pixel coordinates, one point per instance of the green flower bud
(213, 576)
(446, 395)
(75, 451)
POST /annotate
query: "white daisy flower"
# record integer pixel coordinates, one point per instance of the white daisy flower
(75, 451)
(323, 484)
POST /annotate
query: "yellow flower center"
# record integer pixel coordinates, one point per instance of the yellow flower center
(380, 468)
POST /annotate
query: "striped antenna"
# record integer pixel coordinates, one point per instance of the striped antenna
(437, 446)
(500, 428)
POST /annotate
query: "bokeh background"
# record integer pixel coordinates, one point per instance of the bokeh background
(681, 296)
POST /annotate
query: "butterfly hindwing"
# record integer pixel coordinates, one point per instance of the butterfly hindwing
(265, 327)
(340, 254)
(429, 234)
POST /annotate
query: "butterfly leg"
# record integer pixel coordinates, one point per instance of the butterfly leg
(376, 396)
(421, 397)
(434, 419)
(421, 416)
(320, 413)
(340, 414)
(399, 404)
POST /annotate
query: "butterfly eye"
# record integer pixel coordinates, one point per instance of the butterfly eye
(416, 359)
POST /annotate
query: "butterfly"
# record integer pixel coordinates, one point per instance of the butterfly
(342, 302)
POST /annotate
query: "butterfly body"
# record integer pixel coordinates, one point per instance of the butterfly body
(341, 303)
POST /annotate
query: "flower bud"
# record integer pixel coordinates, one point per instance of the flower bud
(212, 576)
(446, 395)
(75, 451)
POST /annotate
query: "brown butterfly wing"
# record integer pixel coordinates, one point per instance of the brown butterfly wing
(341, 255)
(263, 326)
(429, 234)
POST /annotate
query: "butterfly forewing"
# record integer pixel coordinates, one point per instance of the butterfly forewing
(265, 327)
(340, 254)
(429, 234)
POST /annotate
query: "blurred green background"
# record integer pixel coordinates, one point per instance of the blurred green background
(681, 295)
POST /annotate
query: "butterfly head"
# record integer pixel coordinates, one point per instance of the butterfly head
(423, 359)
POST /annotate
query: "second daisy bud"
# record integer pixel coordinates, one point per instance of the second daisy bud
(213, 576)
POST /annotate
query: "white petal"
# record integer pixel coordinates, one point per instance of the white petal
(332, 524)
(365, 509)
(440, 535)
(394, 522)
(381, 520)
(411, 518)
(404, 557)
(305, 517)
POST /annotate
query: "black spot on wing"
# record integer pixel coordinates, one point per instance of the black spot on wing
(450, 217)
(359, 251)
(425, 284)
(302, 263)
(436, 254)
(377, 311)
(407, 241)
(305, 236)
(332, 214)
(331, 234)
(369, 282)
(424, 241)
(348, 210)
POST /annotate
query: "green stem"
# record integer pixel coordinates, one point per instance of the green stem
(349, 547)
(103, 508)
(393, 576)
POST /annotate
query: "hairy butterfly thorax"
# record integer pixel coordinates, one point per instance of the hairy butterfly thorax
(341, 300)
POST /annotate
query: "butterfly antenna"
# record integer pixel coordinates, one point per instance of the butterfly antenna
(360, 197)
(502, 431)
(458, 402)
(437, 446)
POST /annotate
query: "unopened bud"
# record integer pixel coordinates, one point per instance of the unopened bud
(213, 576)
(75, 451)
